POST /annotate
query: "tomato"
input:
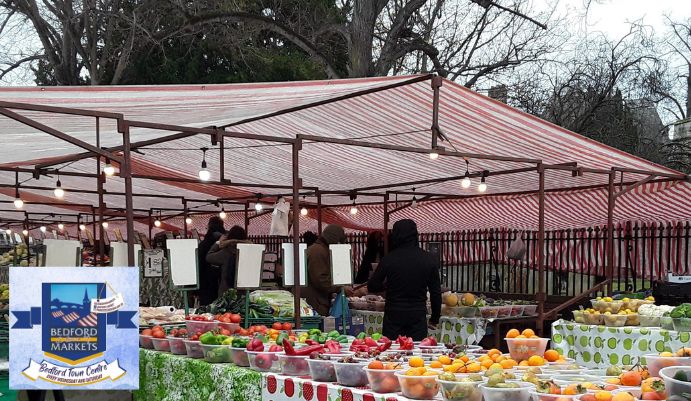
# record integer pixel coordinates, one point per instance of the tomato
(287, 326)
(174, 333)
(158, 334)
(277, 326)
(156, 328)
(225, 332)
(244, 332)
(146, 332)
(235, 318)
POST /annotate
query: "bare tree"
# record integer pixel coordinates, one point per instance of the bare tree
(93, 41)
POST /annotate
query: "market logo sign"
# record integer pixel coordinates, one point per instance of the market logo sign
(77, 322)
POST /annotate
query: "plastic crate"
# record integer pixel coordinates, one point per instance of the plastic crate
(307, 322)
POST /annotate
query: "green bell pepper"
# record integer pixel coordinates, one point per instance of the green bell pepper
(240, 342)
(208, 338)
(314, 331)
(322, 339)
(376, 336)
(342, 339)
(333, 334)
(362, 336)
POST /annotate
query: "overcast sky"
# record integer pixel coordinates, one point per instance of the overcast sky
(612, 16)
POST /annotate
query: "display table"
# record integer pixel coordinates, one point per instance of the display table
(167, 377)
(600, 346)
(450, 330)
(283, 388)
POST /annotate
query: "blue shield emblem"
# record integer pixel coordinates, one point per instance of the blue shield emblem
(71, 332)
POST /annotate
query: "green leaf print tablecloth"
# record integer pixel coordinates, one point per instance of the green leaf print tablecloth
(450, 330)
(600, 346)
(167, 377)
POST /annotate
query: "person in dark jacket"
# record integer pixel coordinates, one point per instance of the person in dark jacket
(407, 273)
(319, 283)
(373, 254)
(224, 254)
(208, 274)
(309, 238)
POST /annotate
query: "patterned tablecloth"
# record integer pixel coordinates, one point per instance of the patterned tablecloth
(284, 388)
(450, 329)
(600, 346)
(167, 377)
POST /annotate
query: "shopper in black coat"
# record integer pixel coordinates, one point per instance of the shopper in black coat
(209, 275)
(407, 273)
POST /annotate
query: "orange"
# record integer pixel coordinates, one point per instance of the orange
(536, 360)
(603, 396)
(436, 365)
(508, 363)
(624, 396)
(416, 362)
(551, 355)
(444, 359)
(528, 333)
(523, 363)
(521, 336)
(487, 363)
(464, 358)
(376, 365)
(493, 351)
(473, 367)
(513, 333)
(570, 390)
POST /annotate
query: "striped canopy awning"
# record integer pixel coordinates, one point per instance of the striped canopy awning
(394, 111)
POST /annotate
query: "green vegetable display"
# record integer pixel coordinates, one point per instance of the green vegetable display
(240, 342)
(218, 355)
(681, 311)
(211, 338)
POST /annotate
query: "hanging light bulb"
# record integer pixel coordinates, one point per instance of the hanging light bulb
(413, 204)
(58, 191)
(258, 206)
(109, 169)
(433, 155)
(204, 173)
(25, 232)
(483, 185)
(43, 229)
(188, 220)
(465, 183)
(82, 227)
(157, 223)
(303, 211)
(104, 224)
(353, 209)
(18, 202)
(61, 226)
(223, 214)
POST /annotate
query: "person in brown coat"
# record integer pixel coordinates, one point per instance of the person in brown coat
(224, 255)
(319, 283)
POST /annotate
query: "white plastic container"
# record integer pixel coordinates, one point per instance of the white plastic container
(521, 393)
(672, 385)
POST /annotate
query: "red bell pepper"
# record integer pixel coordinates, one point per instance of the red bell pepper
(405, 343)
(384, 345)
(255, 344)
(310, 342)
(332, 347)
(304, 351)
(370, 342)
(287, 347)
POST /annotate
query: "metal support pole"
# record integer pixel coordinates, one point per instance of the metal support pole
(99, 188)
(296, 230)
(79, 231)
(126, 174)
(247, 217)
(541, 294)
(184, 218)
(436, 84)
(150, 226)
(319, 212)
(386, 223)
(93, 227)
(609, 246)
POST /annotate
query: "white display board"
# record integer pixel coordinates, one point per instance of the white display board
(289, 264)
(119, 253)
(249, 266)
(341, 264)
(62, 253)
(182, 259)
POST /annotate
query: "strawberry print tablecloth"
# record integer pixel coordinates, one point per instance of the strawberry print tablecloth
(284, 388)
